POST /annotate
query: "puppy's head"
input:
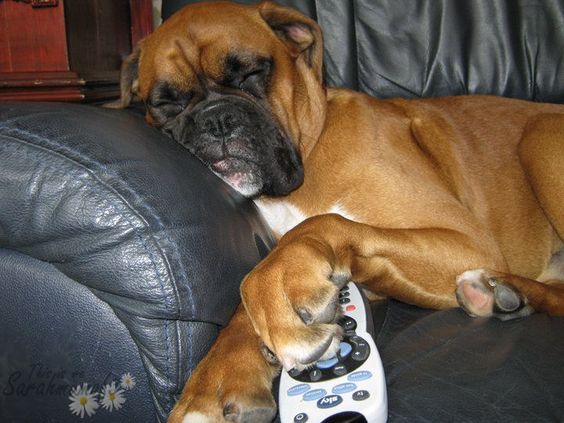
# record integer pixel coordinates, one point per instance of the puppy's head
(238, 86)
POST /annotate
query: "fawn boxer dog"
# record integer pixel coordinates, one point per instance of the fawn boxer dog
(438, 202)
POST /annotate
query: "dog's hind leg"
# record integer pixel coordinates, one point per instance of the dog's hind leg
(483, 292)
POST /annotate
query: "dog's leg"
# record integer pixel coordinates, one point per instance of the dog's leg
(233, 382)
(291, 296)
(483, 292)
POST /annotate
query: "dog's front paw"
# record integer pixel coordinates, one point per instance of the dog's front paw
(221, 394)
(484, 293)
(237, 409)
(232, 383)
(292, 298)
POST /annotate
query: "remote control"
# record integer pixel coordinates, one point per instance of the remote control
(350, 384)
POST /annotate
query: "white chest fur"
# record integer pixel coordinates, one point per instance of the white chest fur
(281, 216)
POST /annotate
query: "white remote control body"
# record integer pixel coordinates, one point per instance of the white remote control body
(350, 384)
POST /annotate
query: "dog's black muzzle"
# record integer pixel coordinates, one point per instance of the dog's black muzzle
(242, 143)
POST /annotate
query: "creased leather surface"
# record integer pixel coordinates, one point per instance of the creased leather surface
(427, 48)
(445, 366)
(128, 213)
(56, 335)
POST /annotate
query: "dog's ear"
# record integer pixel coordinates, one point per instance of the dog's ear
(128, 81)
(301, 34)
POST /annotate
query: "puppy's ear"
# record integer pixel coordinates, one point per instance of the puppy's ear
(128, 81)
(301, 34)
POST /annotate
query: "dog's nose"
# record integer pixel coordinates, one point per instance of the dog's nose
(220, 123)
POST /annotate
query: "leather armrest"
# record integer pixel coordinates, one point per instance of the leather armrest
(125, 211)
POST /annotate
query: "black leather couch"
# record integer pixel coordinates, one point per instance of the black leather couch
(120, 253)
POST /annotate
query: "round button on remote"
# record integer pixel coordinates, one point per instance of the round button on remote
(361, 395)
(348, 324)
(315, 375)
(294, 372)
(301, 418)
(340, 370)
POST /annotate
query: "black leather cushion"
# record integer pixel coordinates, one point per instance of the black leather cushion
(123, 210)
(447, 367)
(56, 335)
(424, 48)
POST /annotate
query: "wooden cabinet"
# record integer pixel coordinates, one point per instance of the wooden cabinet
(67, 50)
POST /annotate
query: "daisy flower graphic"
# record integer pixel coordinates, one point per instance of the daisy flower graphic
(112, 397)
(127, 381)
(83, 400)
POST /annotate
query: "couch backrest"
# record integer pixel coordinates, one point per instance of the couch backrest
(424, 48)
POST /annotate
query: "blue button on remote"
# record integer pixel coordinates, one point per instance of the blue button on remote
(326, 364)
(344, 388)
(360, 375)
(298, 389)
(314, 394)
(345, 349)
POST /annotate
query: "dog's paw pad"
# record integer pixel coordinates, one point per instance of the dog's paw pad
(482, 294)
(506, 298)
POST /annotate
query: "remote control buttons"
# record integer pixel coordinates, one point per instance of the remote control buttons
(298, 389)
(314, 394)
(361, 395)
(361, 354)
(301, 418)
(315, 375)
(344, 388)
(326, 364)
(340, 370)
(344, 300)
(355, 339)
(345, 349)
(360, 375)
(294, 372)
(330, 401)
(347, 323)
(361, 349)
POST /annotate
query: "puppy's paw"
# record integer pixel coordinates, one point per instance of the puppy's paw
(483, 293)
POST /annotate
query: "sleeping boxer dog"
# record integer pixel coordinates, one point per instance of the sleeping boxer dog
(438, 202)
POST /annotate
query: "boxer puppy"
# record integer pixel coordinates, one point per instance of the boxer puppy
(434, 202)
